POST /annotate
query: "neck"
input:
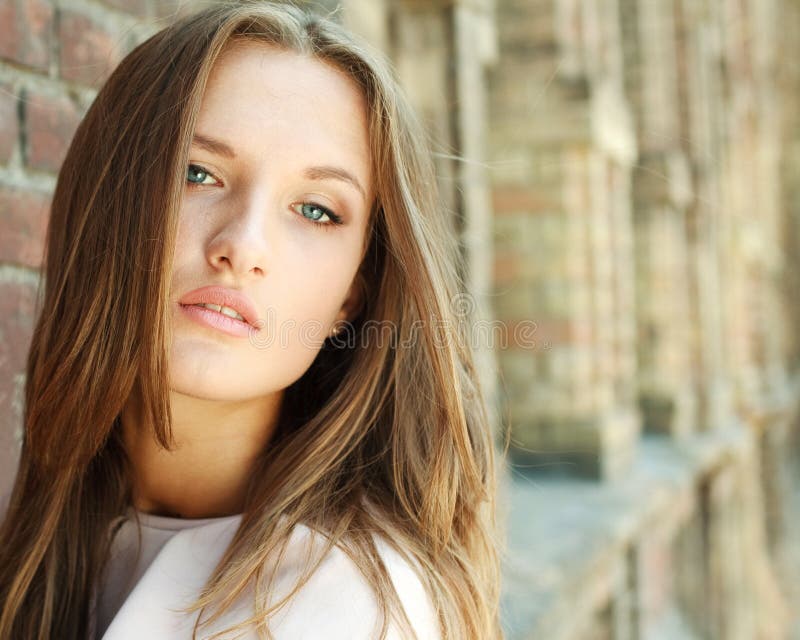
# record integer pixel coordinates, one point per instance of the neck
(217, 444)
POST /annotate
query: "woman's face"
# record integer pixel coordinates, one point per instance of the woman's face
(275, 208)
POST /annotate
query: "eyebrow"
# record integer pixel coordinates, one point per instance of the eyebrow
(334, 173)
(325, 172)
(213, 145)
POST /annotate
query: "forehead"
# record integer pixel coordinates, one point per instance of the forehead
(263, 98)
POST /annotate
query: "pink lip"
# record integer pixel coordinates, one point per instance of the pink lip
(222, 296)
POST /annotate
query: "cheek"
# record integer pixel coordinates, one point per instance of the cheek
(317, 280)
(183, 254)
(310, 305)
(186, 235)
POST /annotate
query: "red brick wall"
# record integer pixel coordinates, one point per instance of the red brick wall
(53, 57)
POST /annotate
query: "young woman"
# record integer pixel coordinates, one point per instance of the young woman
(204, 455)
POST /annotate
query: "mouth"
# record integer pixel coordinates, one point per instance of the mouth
(228, 302)
(208, 317)
(226, 311)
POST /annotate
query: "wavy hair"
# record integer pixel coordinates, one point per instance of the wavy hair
(379, 438)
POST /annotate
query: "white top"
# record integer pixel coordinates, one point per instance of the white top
(125, 570)
(137, 598)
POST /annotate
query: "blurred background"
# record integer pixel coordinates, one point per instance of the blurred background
(624, 176)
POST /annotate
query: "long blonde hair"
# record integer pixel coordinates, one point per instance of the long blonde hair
(381, 439)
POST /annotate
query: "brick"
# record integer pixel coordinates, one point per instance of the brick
(9, 122)
(89, 51)
(522, 199)
(506, 269)
(17, 307)
(536, 333)
(23, 218)
(50, 124)
(25, 32)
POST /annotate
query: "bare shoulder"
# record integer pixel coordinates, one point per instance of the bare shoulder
(338, 599)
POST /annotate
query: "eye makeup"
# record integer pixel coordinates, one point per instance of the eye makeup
(196, 176)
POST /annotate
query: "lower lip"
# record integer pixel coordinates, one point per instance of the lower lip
(216, 320)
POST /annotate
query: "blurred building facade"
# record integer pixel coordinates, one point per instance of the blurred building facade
(624, 176)
(644, 172)
(648, 215)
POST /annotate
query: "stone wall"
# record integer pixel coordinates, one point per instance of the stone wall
(644, 172)
(564, 233)
(53, 57)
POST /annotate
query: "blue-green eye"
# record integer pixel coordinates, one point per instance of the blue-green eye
(318, 214)
(197, 175)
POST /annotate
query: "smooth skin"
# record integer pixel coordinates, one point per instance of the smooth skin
(250, 220)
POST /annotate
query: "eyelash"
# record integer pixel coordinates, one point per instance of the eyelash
(335, 220)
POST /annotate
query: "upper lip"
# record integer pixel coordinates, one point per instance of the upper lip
(223, 296)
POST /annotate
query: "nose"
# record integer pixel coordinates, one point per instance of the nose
(240, 244)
